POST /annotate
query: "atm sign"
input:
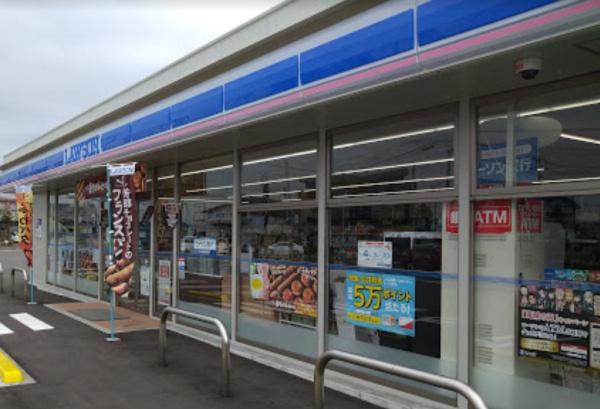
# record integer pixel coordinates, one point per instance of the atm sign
(490, 217)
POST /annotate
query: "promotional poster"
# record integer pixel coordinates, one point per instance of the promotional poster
(289, 287)
(24, 198)
(124, 224)
(381, 301)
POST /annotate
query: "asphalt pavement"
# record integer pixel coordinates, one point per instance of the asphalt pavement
(75, 368)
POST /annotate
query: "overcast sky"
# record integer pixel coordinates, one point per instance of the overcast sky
(59, 58)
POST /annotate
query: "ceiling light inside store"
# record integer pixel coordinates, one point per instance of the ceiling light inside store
(397, 136)
(287, 192)
(579, 138)
(546, 182)
(196, 172)
(265, 182)
(401, 165)
(273, 158)
(393, 182)
(166, 177)
(579, 104)
(184, 199)
(208, 189)
(400, 192)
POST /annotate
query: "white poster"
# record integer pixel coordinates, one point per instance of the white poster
(205, 245)
(375, 254)
(595, 345)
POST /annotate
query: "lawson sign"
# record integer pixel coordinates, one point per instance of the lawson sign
(83, 150)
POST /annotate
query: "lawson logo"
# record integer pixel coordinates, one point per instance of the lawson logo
(83, 150)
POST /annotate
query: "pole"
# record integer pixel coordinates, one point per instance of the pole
(112, 337)
(31, 300)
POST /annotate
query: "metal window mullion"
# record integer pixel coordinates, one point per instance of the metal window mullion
(151, 305)
(465, 137)
(175, 265)
(322, 222)
(75, 241)
(236, 240)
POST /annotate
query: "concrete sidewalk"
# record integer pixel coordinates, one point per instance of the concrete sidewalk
(75, 368)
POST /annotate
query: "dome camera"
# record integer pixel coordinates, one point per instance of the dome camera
(528, 68)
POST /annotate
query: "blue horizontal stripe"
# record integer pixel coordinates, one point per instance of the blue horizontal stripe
(151, 124)
(198, 107)
(116, 137)
(440, 19)
(384, 39)
(263, 83)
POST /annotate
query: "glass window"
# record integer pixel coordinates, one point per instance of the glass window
(537, 302)
(66, 240)
(549, 138)
(280, 173)
(165, 192)
(89, 244)
(278, 280)
(51, 275)
(392, 283)
(393, 157)
(205, 240)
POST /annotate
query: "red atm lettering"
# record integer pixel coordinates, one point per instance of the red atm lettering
(493, 217)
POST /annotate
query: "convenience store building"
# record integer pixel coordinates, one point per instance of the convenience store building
(382, 178)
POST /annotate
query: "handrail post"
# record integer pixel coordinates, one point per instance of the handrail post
(409, 373)
(225, 343)
(1, 278)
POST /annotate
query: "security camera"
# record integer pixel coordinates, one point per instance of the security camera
(528, 68)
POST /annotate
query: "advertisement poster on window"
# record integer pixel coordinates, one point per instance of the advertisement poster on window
(492, 163)
(288, 287)
(205, 246)
(489, 217)
(381, 301)
(376, 254)
(557, 317)
(24, 198)
(164, 282)
(124, 227)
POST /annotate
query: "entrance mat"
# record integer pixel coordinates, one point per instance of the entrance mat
(97, 314)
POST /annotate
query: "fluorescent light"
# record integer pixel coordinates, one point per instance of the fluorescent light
(279, 180)
(546, 182)
(402, 165)
(183, 199)
(165, 177)
(195, 172)
(272, 158)
(540, 169)
(207, 189)
(394, 182)
(397, 136)
(402, 192)
(580, 138)
(287, 192)
(560, 107)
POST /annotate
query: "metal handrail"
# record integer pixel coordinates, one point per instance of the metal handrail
(1, 278)
(25, 282)
(413, 374)
(225, 344)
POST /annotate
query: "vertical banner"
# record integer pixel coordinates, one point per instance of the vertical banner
(123, 225)
(24, 198)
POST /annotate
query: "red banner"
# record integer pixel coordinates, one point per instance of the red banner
(90, 188)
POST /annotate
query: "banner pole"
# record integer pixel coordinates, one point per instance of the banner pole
(31, 300)
(112, 337)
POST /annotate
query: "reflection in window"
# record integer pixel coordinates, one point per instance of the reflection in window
(205, 240)
(280, 174)
(88, 246)
(547, 140)
(392, 284)
(537, 302)
(51, 276)
(66, 240)
(278, 279)
(394, 157)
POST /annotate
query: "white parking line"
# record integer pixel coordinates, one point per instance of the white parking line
(4, 330)
(31, 322)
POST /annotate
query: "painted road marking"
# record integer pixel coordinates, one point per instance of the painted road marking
(4, 330)
(9, 371)
(31, 322)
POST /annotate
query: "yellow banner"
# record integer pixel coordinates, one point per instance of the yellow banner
(25, 216)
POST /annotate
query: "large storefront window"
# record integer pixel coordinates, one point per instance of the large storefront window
(281, 173)
(204, 264)
(89, 244)
(51, 259)
(393, 157)
(537, 302)
(278, 280)
(547, 139)
(66, 240)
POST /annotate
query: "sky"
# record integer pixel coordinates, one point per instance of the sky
(60, 57)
